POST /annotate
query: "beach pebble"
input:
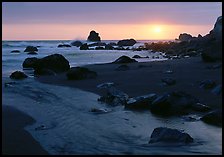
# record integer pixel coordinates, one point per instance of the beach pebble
(168, 135)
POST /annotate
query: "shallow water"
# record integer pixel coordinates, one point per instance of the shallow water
(70, 127)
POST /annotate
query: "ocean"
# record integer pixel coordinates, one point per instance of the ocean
(69, 126)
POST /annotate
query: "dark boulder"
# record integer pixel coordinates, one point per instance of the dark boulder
(84, 47)
(18, 75)
(213, 117)
(79, 73)
(140, 102)
(64, 45)
(185, 37)
(168, 135)
(76, 43)
(109, 47)
(126, 42)
(124, 59)
(15, 51)
(30, 49)
(30, 62)
(55, 62)
(93, 36)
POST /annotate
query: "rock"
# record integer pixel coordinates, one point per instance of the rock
(30, 62)
(112, 44)
(126, 42)
(84, 47)
(18, 75)
(217, 90)
(140, 102)
(213, 117)
(15, 51)
(76, 43)
(212, 53)
(217, 30)
(207, 84)
(185, 37)
(97, 44)
(122, 68)
(137, 56)
(30, 49)
(169, 81)
(79, 73)
(168, 135)
(113, 96)
(124, 59)
(93, 36)
(64, 45)
(32, 53)
(55, 62)
(173, 103)
(109, 47)
(99, 48)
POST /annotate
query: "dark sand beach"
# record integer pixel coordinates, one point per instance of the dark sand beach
(16, 140)
(145, 78)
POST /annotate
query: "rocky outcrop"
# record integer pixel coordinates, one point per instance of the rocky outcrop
(76, 43)
(30, 49)
(55, 63)
(168, 135)
(18, 75)
(126, 42)
(185, 37)
(124, 59)
(64, 45)
(97, 44)
(80, 73)
(29, 62)
(213, 117)
(84, 47)
(93, 36)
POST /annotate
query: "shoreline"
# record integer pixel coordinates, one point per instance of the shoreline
(145, 77)
(15, 139)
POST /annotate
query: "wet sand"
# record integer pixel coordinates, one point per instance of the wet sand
(145, 78)
(16, 140)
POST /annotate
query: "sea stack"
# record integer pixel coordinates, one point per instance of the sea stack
(93, 36)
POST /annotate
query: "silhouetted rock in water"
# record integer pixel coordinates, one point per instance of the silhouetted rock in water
(30, 49)
(137, 56)
(126, 42)
(76, 43)
(15, 51)
(84, 47)
(97, 44)
(217, 89)
(173, 103)
(213, 117)
(207, 84)
(32, 53)
(18, 75)
(109, 47)
(185, 37)
(30, 62)
(168, 135)
(140, 102)
(122, 68)
(119, 48)
(79, 73)
(64, 45)
(124, 59)
(113, 96)
(93, 36)
(99, 48)
(169, 81)
(55, 62)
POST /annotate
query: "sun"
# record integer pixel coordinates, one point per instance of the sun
(157, 29)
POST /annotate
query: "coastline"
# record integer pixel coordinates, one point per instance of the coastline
(145, 77)
(16, 140)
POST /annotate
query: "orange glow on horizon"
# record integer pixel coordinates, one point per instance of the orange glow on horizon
(106, 31)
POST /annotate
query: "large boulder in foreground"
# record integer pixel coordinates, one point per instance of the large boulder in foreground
(213, 117)
(93, 36)
(18, 75)
(55, 63)
(168, 135)
(30, 49)
(124, 59)
(79, 73)
(30, 62)
(126, 42)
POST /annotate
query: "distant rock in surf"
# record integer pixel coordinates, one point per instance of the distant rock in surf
(126, 42)
(64, 45)
(76, 43)
(18, 75)
(93, 36)
(124, 59)
(29, 62)
(84, 47)
(15, 51)
(30, 49)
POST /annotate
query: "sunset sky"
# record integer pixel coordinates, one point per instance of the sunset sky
(112, 20)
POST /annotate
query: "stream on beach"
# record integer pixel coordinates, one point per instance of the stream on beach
(65, 125)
